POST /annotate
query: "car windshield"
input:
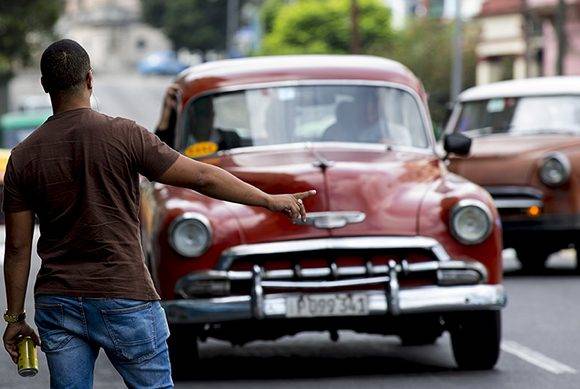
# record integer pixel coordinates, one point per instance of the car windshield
(520, 115)
(312, 113)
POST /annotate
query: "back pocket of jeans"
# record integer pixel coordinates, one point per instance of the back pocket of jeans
(49, 319)
(132, 330)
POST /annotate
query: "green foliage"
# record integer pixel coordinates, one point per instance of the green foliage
(321, 26)
(192, 24)
(268, 13)
(153, 12)
(196, 24)
(425, 47)
(18, 21)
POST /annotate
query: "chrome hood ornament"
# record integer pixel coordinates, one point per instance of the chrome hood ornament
(332, 220)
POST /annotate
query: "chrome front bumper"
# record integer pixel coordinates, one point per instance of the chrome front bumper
(460, 287)
(430, 299)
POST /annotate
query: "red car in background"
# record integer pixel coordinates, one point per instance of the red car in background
(394, 243)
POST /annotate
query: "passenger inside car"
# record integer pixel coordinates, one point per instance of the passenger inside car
(341, 129)
(358, 120)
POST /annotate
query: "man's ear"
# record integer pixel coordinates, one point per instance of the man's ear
(89, 80)
(42, 83)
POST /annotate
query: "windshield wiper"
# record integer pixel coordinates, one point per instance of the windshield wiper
(549, 131)
(489, 130)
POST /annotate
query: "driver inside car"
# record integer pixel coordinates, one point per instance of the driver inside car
(203, 122)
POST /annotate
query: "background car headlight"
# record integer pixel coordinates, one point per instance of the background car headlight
(470, 221)
(190, 234)
(555, 169)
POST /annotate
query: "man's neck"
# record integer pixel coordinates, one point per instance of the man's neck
(61, 104)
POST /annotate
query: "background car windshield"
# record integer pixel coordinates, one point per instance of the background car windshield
(328, 113)
(517, 115)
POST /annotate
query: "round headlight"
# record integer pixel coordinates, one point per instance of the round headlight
(190, 234)
(470, 221)
(555, 169)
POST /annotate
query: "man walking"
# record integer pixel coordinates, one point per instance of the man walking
(79, 174)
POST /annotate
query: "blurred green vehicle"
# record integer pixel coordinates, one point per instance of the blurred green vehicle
(16, 126)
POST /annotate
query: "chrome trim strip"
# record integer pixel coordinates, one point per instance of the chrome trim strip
(393, 290)
(212, 310)
(428, 299)
(403, 267)
(470, 203)
(257, 293)
(440, 252)
(425, 117)
(330, 145)
(269, 278)
(516, 191)
(517, 203)
(332, 219)
(300, 285)
(348, 243)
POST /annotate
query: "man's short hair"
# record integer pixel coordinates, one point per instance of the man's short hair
(64, 66)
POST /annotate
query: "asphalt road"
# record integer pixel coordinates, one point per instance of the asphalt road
(541, 322)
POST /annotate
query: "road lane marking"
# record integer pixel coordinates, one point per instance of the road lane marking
(536, 358)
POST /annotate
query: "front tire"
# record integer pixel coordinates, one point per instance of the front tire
(475, 339)
(183, 350)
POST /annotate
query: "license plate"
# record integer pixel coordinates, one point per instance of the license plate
(332, 304)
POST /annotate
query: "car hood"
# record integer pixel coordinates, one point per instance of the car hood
(508, 159)
(386, 185)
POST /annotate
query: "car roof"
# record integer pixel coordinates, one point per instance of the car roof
(539, 86)
(235, 72)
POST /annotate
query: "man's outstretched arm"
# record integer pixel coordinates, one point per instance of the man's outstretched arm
(19, 231)
(215, 182)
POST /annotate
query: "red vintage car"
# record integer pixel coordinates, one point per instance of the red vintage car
(393, 244)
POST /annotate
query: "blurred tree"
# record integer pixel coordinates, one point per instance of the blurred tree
(425, 47)
(320, 26)
(268, 13)
(20, 23)
(153, 12)
(197, 25)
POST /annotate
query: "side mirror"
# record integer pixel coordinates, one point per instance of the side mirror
(456, 143)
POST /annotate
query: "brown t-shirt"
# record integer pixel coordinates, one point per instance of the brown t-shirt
(79, 173)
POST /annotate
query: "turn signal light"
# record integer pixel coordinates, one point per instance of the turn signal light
(534, 211)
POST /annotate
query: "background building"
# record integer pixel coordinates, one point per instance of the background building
(518, 39)
(111, 31)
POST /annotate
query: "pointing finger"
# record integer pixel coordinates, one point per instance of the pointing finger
(303, 195)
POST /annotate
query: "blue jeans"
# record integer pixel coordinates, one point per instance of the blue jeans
(132, 333)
